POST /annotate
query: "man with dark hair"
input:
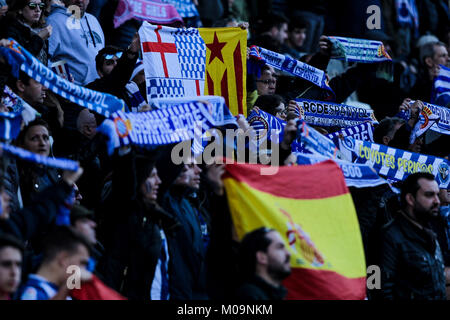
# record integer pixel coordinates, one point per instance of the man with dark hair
(11, 253)
(410, 258)
(272, 32)
(385, 132)
(295, 40)
(63, 248)
(432, 55)
(265, 263)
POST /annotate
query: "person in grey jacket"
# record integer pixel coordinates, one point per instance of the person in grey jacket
(77, 38)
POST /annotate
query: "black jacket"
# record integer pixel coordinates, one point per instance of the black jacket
(411, 262)
(132, 235)
(258, 289)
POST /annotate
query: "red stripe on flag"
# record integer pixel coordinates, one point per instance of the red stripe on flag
(312, 284)
(210, 84)
(314, 176)
(197, 87)
(224, 88)
(238, 73)
(161, 48)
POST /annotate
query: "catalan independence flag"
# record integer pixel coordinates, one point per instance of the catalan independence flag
(226, 66)
(313, 210)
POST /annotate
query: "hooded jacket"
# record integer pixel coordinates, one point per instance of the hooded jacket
(77, 42)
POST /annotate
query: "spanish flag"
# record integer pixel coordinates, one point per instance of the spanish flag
(311, 207)
(226, 66)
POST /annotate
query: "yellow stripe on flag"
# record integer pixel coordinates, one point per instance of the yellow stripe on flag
(226, 66)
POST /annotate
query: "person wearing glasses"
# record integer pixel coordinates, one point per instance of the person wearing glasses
(115, 67)
(267, 83)
(26, 24)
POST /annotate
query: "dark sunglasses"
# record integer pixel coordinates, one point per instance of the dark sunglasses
(110, 56)
(34, 5)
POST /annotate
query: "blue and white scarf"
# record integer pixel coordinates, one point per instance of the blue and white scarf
(433, 117)
(441, 87)
(358, 50)
(289, 65)
(363, 131)
(327, 114)
(316, 143)
(182, 121)
(58, 163)
(17, 104)
(10, 125)
(19, 58)
(356, 174)
(396, 164)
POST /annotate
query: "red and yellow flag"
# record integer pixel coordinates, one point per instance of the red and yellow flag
(313, 210)
(226, 66)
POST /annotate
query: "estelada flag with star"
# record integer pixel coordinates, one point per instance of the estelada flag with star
(226, 66)
(317, 221)
(180, 62)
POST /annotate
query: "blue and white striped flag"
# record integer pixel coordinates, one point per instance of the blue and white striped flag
(396, 164)
(363, 131)
(10, 125)
(441, 87)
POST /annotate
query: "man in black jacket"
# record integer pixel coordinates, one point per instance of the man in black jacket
(265, 263)
(411, 259)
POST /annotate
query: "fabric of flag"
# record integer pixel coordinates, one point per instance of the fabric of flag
(146, 10)
(174, 61)
(226, 69)
(95, 289)
(441, 87)
(319, 225)
(407, 14)
(186, 8)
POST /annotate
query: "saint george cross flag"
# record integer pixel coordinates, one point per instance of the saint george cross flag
(193, 62)
(174, 61)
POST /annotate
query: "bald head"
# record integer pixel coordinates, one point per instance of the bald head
(86, 123)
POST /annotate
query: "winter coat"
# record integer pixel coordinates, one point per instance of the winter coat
(411, 262)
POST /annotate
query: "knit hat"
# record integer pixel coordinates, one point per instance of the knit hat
(137, 68)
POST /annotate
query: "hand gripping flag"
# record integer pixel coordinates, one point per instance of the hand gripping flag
(319, 225)
(177, 63)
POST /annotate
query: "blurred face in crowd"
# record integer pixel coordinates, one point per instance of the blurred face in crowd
(64, 259)
(280, 111)
(426, 201)
(297, 37)
(109, 63)
(417, 145)
(32, 11)
(82, 4)
(10, 270)
(440, 55)
(37, 140)
(389, 138)
(33, 92)
(281, 33)
(86, 123)
(5, 199)
(276, 258)
(267, 83)
(149, 188)
(86, 227)
(190, 175)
